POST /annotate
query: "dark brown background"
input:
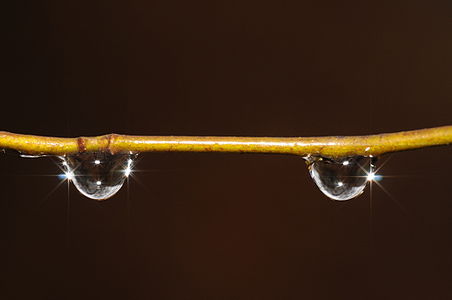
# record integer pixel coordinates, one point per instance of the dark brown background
(226, 226)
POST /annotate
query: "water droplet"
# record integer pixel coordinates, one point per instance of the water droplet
(98, 175)
(341, 179)
(25, 155)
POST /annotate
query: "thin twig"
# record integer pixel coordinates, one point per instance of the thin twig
(330, 146)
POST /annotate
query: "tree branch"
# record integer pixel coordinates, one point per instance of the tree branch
(331, 146)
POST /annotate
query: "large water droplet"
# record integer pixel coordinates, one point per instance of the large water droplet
(341, 179)
(98, 175)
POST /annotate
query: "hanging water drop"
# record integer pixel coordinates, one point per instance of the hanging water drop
(98, 175)
(341, 179)
(25, 155)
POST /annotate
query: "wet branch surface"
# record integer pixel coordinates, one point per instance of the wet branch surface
(328, 146)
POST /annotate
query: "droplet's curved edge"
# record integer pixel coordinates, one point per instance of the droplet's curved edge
(111, 193)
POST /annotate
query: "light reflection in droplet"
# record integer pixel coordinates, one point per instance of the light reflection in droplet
(371, 176)
(128, 169)
(66, 175)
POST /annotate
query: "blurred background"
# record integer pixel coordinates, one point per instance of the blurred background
(226, 226)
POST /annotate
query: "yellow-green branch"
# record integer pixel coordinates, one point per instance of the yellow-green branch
(331, 146)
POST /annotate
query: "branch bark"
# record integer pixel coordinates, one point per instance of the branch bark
(330, 146)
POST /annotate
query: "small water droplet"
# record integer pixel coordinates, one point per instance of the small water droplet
(25, 155)
(98, 175)
(341, 179)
